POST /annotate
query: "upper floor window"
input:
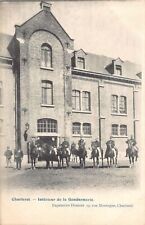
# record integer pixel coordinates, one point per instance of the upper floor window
(1, 101)
(114, 103)
(123, 130)
(87, 128)
(76, 100)
(47, 92)
(118, 70)
(123, 104)
(81, 62)
(76, 128)
(114, 129)
(47, 125)
(46, 56)
(86, 101)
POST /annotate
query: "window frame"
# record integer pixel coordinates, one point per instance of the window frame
(123, 126)
(76, 125)
(47, 88)
(86, 101)
(118, 69)
(81, 61)
(76, 100)
(46, 56)
(125, 105)
(113, 127)
(85, 128)
(116, 103)
(47, 125)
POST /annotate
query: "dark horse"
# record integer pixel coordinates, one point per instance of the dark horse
(33, 153)
(96, 153)
(48, 154)
(111, 155)
(82, 154)
(63, 153)
(132, 153)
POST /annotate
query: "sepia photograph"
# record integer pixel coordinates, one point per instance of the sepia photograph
(71, 112)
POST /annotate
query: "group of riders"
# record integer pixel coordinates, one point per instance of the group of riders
(43, 151)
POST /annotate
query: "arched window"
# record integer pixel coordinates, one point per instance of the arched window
(76, 102)
(76, 128)
(87, 128)
(47, 92)
(47, 125)
(46, 56)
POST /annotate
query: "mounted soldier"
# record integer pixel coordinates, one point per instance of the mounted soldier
(95, 145)
(110, 144)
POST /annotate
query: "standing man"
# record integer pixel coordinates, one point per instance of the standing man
(18, 158)
(8, 154)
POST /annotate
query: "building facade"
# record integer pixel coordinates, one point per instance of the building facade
(49, 90)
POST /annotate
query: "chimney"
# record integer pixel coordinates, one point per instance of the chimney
(45, 5)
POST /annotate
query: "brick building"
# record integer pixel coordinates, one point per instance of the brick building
(51, 91)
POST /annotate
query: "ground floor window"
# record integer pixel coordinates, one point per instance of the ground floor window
(86, 128)
(123, 130)
(76, 128)
(114, 129)
(47, 125)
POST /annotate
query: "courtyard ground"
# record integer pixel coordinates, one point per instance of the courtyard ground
(69, 178)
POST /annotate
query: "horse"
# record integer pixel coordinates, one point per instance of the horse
(132, 153)
(73, 151)
(111, 155)
(48, 154)
(63, 153)
(97, 151)
(33, 152)
(82, 154)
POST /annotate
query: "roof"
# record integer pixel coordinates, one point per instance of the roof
(4, 42)
(99, 63)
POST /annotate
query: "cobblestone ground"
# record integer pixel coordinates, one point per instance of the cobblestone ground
(72, 177)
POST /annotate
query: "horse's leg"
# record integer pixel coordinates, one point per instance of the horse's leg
(94, 162)
(84, 162)
(133, 160)
(108, 162)
(97, 161)
(34, 163)
(130, 161)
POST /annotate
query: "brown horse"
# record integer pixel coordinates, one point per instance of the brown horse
(111, 155)
(97, 152)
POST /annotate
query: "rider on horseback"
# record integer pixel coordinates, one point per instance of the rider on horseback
(110, 143)
(132, 142)
(81, 142)
(96, 145)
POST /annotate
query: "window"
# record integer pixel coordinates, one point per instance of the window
(76, 128)
(1, 126)
(46, 56)
(76, 100)
(123, 104)
(87, 128)
(114, 129)
(114, 103)
(47, 92)
(47, 125)
(1, 101)
(118, 70)
(123, 130)
(86, 101)
(81, 63)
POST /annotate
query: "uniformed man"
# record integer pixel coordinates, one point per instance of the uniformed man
(18, 155)
(81, 142)
(110, 144)
(8, 154)
(96, 145)
(131, 142)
